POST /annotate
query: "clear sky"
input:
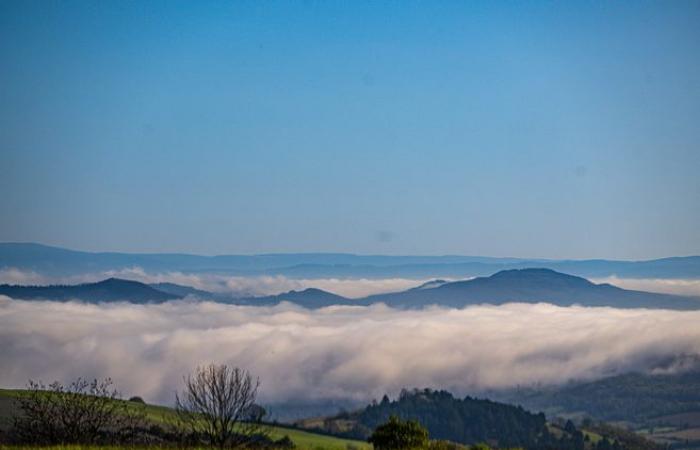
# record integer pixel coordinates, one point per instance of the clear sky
(547, 129)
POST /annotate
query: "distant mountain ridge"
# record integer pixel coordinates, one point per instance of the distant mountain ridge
(532, 286)
(517, 285)
(109, 290)
(59, 261)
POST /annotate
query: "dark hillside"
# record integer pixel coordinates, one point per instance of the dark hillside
(532, 286)
(110, 290)
(466, 421)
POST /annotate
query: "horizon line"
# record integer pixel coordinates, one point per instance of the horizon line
(328, 253)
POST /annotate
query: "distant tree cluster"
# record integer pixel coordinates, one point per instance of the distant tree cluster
(467, 421)
(470, 421)
(399, 434)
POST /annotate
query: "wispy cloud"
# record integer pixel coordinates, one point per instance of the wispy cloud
(663, 285)
(338, 352)
(10, 275)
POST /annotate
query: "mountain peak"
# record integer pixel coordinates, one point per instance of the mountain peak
(115, 280)
(315, 292)
(531, 271)
(532, 285)
(538, 275)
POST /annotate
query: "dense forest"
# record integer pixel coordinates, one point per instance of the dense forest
(468, 421)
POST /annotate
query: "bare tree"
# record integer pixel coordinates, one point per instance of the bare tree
(84, 412)
(218, 403)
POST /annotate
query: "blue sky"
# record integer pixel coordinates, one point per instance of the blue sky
(539, 129)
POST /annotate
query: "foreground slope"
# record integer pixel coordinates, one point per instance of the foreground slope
(303, 440)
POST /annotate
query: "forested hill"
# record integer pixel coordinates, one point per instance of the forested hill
(110, 290)
(466, 421)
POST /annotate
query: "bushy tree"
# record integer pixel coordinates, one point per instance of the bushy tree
(398, 434)
(83, 412)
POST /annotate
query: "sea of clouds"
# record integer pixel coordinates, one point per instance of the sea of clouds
(343, 352)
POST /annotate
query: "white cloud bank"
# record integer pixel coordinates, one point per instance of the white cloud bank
(338, 352)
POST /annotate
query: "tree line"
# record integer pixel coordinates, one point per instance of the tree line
(471, 421)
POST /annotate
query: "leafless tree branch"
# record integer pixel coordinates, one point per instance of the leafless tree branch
(218, 404)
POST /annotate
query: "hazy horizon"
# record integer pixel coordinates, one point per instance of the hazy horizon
(311, 252)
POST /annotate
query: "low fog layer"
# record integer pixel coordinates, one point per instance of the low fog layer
(338, 352)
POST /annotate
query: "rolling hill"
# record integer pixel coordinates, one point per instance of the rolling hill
(109, 290)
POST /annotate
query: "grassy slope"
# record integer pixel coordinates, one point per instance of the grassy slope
(304, 440)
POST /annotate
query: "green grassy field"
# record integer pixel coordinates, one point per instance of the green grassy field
(303, 440)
